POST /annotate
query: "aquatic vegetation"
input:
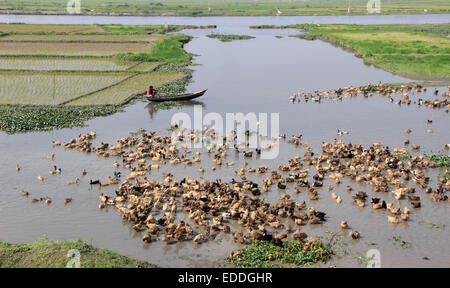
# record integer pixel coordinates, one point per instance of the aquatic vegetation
(441, 159)
(45, 254)
(265, 27)
(229, 37)
(403, 157)
(403, 243)
(167, 105)
(138, 132)
(265, 254)
(420, 52)
(35, 118)
(172, 128)
(433, 224)
(178, 86)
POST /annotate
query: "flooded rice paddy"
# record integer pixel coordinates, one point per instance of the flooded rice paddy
(257, 75)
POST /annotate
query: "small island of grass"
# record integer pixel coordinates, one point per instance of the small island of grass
(229, 37)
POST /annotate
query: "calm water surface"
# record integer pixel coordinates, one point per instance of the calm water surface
(257, 75)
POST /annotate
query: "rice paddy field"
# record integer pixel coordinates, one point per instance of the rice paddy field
(54, 64)
(19, 28)
(144, 66)
(120, 92)
(71, 49)
(80, 38)
(68, 64)
(45, 88)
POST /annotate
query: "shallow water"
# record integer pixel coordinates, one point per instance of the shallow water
(257, 75)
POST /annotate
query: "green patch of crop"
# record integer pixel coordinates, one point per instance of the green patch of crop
(37, 118)
(168, 49)
(229, 37)
(44, 254)
(264, 254)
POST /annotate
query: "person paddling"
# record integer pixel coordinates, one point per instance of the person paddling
(152, 92)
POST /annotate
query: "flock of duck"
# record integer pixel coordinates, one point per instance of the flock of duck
(406, 91)
(199, 209)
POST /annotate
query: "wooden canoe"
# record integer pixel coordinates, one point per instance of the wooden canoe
(181, 97)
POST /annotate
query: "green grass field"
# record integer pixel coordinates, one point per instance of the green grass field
(44, 254)
(416, 51)
(224, 7)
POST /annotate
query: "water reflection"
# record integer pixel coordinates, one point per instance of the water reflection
(152, 106)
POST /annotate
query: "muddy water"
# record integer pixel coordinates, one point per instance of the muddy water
(257, 75)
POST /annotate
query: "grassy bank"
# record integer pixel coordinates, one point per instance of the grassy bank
(43, 254)
(227, 7)
(416, 51)
(168, 49)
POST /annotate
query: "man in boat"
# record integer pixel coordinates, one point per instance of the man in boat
(151, 92)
